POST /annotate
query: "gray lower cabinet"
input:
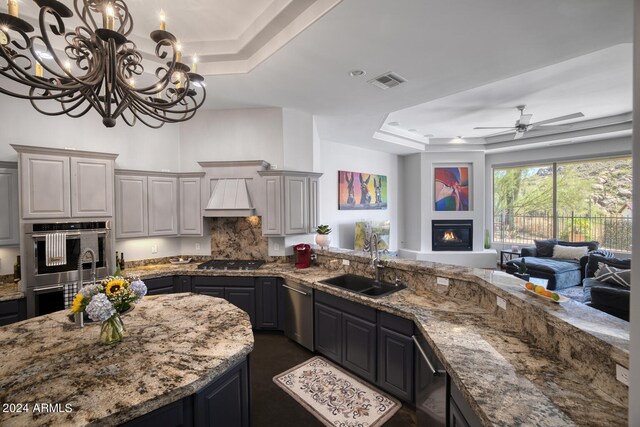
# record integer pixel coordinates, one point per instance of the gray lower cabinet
(239, 291)
(12, 311)
(345, 332)
(376, 346)
(460, 413)
(161, 285)
(9, 210)
(267, 304)
(222, 403)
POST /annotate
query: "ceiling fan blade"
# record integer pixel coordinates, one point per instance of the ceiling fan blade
(559, 119)
(525, 119)
(495, 127)
(518, 135)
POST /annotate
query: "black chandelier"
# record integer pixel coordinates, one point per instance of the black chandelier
(107, 63)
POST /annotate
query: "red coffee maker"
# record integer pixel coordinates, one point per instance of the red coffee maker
(303, 255)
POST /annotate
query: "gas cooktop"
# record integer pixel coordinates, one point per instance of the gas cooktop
(226, 264)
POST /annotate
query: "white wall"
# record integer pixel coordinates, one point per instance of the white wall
(412, 231)
(634, 392)
(592, 149)
(240, 134)
(335, 157)
(297, 129)
(139, 147)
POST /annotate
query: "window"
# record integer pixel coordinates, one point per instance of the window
(574, 201)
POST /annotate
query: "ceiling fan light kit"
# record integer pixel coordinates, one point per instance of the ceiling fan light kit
(524, 125)
(106, 62)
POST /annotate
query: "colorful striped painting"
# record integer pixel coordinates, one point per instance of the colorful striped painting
(451, 188)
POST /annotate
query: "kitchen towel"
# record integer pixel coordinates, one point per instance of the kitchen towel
(55, 249)
(70, 291)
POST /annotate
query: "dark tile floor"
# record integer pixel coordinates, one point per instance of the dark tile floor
(271, 406)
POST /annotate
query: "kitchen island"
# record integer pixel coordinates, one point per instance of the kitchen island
(176, 346)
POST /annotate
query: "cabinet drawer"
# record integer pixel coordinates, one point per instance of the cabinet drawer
(214, 291)
(12, 311)
(160, 285)
(353, 308)
(397, 324)
(223, 281)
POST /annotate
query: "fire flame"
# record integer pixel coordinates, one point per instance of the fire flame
(449, 235)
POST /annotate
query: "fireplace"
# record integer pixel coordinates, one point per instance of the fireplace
(452, 235)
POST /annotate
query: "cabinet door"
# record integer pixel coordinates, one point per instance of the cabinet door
(214, 291)
(313, 204)
(12, 311)
(267, 303)
(328, 332)
(190, 211)
(131, 206)
(296, 205)
(91, 187)
(359, 346)
(272, 218)
(395, 363)
(244, 299)
(163, 206)
(161, 285)
(456, 419)
(225, 402)
(184, 284)
(45, 188)
(9, 220)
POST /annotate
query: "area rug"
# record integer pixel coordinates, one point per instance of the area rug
(335, 397)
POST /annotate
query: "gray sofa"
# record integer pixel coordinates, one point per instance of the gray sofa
(560, 273)
(608, 297)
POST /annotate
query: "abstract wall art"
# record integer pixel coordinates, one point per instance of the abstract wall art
(451, 191)
(357, 190)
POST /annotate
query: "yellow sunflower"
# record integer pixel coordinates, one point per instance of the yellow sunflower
(77, 303)
(114, 287)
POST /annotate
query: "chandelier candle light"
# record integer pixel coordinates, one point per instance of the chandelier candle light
(106, 65)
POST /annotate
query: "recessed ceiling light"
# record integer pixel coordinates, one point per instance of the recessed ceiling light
(393, 124)
(357, 73)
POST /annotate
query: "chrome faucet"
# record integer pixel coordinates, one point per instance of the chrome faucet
(376, 264)
(79, 319)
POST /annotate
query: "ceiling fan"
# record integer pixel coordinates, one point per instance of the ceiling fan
(523, 124)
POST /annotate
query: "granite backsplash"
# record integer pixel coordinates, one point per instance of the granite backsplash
(240, 238)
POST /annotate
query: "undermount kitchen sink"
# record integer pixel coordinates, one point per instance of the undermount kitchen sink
(363, 285)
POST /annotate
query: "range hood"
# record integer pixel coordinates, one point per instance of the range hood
(232, 188)
(230, 198)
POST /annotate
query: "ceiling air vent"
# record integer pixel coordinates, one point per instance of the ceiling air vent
(387, 81)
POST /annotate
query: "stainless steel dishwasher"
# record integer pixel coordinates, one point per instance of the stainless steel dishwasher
(298, 313)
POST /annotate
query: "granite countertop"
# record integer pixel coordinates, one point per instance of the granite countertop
(10, 291)
(506, 379)
(174, 345)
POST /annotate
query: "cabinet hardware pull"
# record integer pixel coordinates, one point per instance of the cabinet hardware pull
(426, 359)
(295, 290)
(49, 288)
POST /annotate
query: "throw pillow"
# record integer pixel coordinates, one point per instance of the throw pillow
(593, 245)
(544, 248)
(569, 252)
(594, 260)
(613, 275)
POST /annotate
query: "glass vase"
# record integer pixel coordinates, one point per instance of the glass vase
(112, 330)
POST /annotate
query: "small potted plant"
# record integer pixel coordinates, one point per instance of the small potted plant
(522, 270)
(322, 236)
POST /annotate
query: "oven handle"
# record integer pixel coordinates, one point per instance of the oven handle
(295, 290)
(77, 233)
(49, 288)
(434, 372)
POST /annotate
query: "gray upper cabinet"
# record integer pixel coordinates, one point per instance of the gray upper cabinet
(190, 212)
(291, 202)
(46, 188)
(56, 184)
(9, 211)
(163, 206)
(91, 187)
(131, 206)
(158, 204)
